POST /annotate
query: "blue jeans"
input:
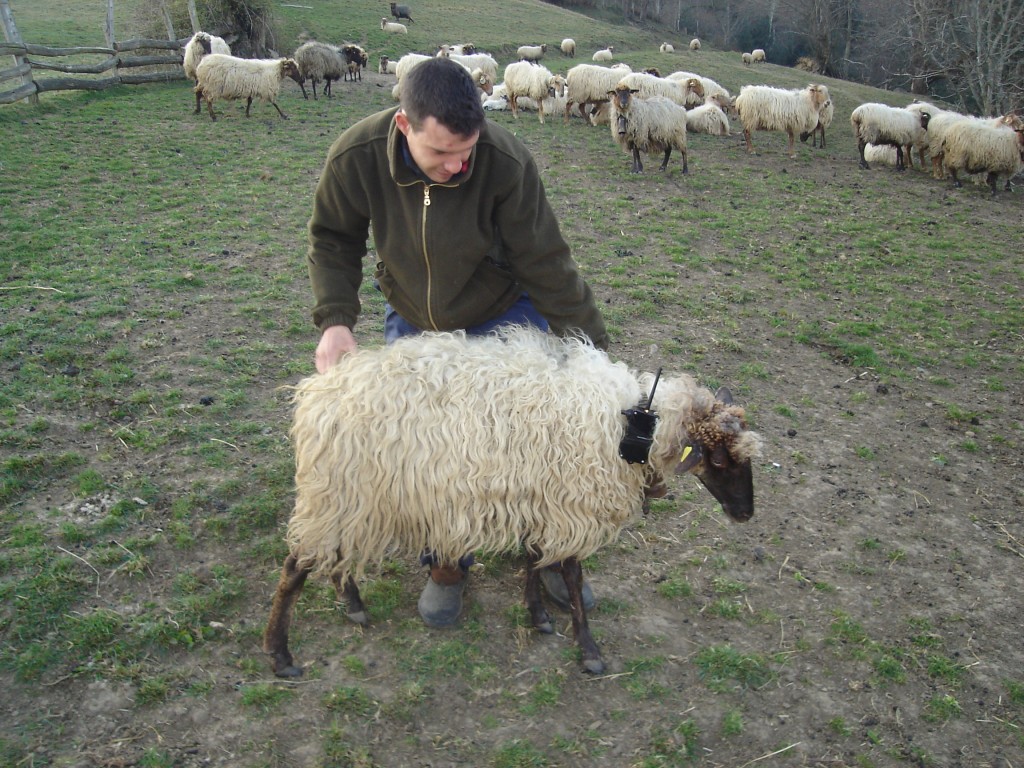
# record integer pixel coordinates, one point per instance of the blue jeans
(521, 313)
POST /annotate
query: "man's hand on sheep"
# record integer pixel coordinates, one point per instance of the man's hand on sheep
(336, 341)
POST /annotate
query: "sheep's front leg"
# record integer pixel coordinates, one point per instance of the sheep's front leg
(199, 102)
(348, 593)
(792, 145)
(748, 140)
(638, 167)
(572, 572)
(899, 159)
(275, 637)
(248, 103)
(861, 146)
(282, 114)
(664, 163)
(539, 617)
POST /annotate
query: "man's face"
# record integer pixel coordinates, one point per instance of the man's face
(438, 152)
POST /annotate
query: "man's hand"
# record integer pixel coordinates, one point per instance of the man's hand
(337, 340)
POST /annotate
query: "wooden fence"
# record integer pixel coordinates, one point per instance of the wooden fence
(161, 67)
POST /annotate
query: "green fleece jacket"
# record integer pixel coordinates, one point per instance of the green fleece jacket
(450, 255)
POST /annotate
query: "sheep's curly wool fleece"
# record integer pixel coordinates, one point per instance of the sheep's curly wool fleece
(452, 444)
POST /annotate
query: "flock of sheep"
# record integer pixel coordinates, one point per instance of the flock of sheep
(646, 112)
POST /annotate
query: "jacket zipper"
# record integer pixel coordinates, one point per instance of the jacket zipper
(426, 257)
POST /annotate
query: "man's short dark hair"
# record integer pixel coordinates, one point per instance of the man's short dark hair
(442, 89)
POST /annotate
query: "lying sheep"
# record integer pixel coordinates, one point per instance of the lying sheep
(199, 45)
(881, 124)
(569, 48)
(979, 146)
(667, 48)
(649, 125)
(393, 27)
(220, 76)
(401, 12)
(764, 108)
(707, 118)
(386, 66)
(488, 443)
(605, 54)
(824, 121)
(589, 84)
(533, 81)
(319, 62)
(531, 52)
(695, 44)
(757, 55)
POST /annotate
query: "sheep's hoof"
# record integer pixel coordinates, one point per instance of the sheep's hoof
(593, 666)
(545, 627)
(865, 166)
(359, 617)
(285, 667)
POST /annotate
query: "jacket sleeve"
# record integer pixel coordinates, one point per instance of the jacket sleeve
(338, 231)
(541, 261)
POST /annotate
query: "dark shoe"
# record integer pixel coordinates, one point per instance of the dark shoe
(441, 603)
(554, 585)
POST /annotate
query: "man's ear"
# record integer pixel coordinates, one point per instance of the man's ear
(402, 121)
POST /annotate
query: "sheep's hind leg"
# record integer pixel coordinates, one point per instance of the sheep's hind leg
(539, 617)
(282, 114)
(664, 163)
(275, 637)
(348, 593)
(572, 572)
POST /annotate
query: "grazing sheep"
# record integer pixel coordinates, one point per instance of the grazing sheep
(881, 124)
(746, 58)
(707, 118)
(764, 108)
(569, 48)
(824, 121)
(488, 443)
(695, 44)
(645, 86)
(393, 27)
(401, 12)
(757, 55)
(590, 84)
(978, 146)
(531, 52)
(199, 45)
(605, 54)
(220, 76)
(386, 66)
(354, 72)
(650, 125)
(667, 48)
(319, 62)
(534, 81)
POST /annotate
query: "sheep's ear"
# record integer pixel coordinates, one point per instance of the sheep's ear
(724, 395)
(634, 90)
(690, 458)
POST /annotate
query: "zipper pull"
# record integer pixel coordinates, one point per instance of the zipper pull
(426, 195)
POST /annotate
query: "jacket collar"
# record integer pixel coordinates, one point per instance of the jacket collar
(404, 169)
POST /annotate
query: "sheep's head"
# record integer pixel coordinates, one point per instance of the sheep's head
(204, 40)
(819, 95)
(653, 71)
(556, 86)
(290, 69)
(621, 98)
(718, 452)
(483, 81)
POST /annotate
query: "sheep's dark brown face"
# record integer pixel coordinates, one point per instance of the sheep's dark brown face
(290, 69)
(730, 482)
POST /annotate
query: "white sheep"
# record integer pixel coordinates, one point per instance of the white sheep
(531, 52)
(712, 91)
(695, 44)
(764, 108)
(462, 49)
(220, 76)
(393, 27)
(984, 146)
(534, 81)
(386, 66)
(881, 124)
(489, 443)
(707, 118)
(758, 55)
(605, 54)
(482, 61)
(590, 84)
(645, 86)
(484, 80)
(649, 125)
(825, 117)
(667, 48)
(319, 61)
(746, 58)
(569, 48)
(198, 46)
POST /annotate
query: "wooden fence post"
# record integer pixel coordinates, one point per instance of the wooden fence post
(108, 31)
(168, 22)
(11, 35)
(193, 16)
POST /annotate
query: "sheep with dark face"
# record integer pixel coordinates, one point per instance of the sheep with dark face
(488, 444)
(401, 12)
(198, 46)
(649, 125)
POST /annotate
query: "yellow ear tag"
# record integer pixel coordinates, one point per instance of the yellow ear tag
(686, 452)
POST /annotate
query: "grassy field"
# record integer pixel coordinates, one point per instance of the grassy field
(154, 305)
